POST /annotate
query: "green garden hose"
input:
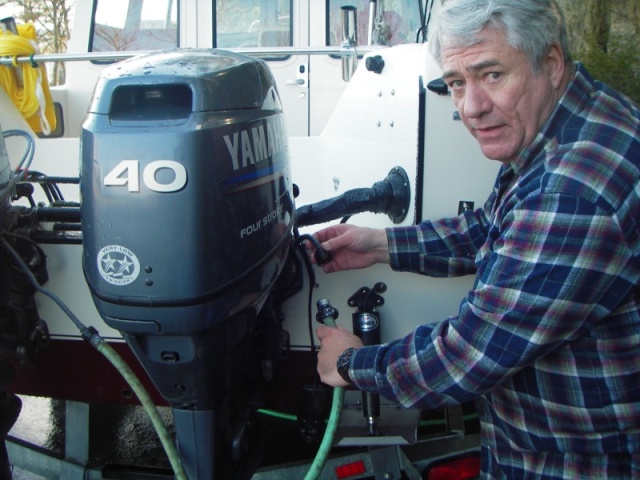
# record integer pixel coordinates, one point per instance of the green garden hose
(145, 399)
(327, 314)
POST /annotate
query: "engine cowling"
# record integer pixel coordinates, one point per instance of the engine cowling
(187, 203)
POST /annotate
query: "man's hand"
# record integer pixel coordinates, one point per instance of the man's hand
(352, 247)
(333, 341)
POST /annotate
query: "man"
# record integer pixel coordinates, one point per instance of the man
(548, 339)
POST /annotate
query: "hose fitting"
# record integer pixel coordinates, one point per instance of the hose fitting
(327, 313)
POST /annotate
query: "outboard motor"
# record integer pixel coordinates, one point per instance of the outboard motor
(187, 217)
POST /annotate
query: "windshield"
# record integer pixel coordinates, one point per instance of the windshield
(395, 21)
(253, 23)
(123, 25)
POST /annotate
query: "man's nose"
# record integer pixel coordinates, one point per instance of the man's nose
(476, 101)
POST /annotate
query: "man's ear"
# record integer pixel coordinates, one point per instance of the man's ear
(555, 65)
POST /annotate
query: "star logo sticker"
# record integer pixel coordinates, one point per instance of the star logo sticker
(118, 265)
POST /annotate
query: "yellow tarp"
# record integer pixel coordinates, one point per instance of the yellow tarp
(33, 97)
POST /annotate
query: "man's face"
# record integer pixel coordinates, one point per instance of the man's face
(501, 102)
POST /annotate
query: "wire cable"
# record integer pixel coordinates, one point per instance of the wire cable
(27, 157)
(299, 242)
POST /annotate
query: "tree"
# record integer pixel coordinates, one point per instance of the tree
(600, 22)
(52, 19)
(604, 35)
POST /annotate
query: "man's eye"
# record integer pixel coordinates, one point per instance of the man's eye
(493, 76)
(455, 84)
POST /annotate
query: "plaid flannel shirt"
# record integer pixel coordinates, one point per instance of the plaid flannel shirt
(548, 339)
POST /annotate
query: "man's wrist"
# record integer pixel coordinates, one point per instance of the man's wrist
(343, 363)
(382, 250)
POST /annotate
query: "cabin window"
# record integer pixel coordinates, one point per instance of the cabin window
(253, 23)
(129, 25)
(395, 22)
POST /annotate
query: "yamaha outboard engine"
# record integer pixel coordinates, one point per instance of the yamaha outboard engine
(187, 213)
